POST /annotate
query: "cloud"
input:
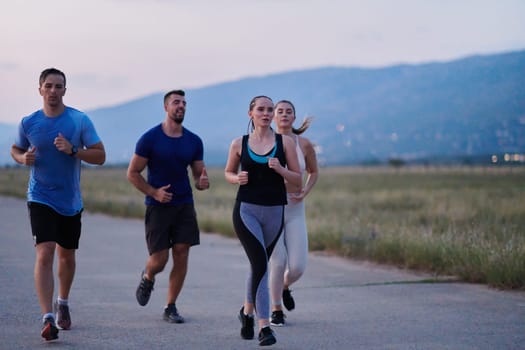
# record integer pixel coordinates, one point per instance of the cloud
(89, 80)
(8, 66)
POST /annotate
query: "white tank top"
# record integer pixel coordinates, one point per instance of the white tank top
(300, 155)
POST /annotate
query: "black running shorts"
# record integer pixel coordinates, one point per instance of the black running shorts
(169, 225)
(49, 226)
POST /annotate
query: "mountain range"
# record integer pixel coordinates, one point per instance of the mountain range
(461, 110)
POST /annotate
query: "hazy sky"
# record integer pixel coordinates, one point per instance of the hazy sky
(116, 50)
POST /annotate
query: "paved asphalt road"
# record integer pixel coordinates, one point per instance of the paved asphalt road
(340, 304)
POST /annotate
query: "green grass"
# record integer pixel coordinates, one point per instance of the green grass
(466, 222)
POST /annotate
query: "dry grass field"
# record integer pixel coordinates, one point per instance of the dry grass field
(467, 222)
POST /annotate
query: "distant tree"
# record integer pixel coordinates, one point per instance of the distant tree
(396, 162)
(371, 162)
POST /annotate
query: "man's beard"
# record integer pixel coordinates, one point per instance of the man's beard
(178, 117)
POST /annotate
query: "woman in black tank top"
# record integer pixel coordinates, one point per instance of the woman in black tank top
(260, 163)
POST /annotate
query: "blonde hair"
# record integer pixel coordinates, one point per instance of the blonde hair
(305, 125)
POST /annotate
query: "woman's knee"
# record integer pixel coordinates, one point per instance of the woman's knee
(278, 263)
(295, 272)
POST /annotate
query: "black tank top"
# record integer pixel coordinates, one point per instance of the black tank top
(265, 186)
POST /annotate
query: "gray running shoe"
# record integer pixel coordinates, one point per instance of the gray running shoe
(171, 314)
(144, 290)
(63, 316)
(49, 329)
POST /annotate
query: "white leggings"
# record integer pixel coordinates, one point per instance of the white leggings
(288, 260)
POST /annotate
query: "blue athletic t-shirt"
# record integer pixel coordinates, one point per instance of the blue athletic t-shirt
(55, 177)
(168, 161)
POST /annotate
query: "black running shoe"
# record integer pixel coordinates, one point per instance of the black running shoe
(144, 290)
(278, 318)
(63, 316)
(172, 315)
(246, 325)
(266, 337)
(288, 301)
(49, 329)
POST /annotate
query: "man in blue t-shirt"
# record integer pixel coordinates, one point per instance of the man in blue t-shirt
(52, 142)
(167, 150)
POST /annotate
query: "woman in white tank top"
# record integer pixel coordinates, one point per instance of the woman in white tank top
(288, 260)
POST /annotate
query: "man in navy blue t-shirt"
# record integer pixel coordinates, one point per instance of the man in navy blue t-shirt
(167, 150)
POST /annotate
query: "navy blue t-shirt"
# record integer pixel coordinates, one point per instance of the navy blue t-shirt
(168, 161)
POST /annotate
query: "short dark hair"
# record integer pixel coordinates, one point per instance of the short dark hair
(173, 92)
(49, 71)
